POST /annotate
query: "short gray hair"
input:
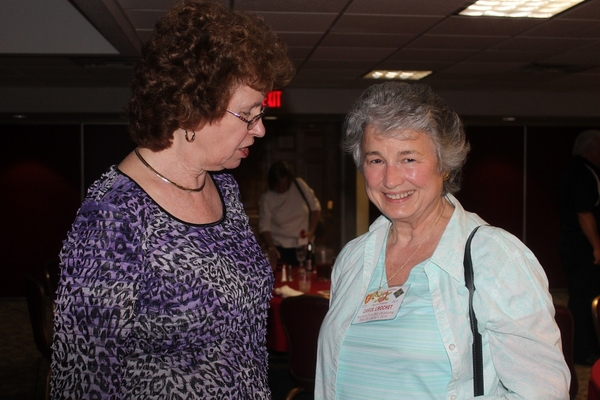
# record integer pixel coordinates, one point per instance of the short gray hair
(393, 106)
(585, 140)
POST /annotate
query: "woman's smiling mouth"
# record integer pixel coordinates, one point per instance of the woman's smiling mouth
(400, 195)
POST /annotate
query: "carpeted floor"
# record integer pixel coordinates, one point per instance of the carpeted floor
(23, 369)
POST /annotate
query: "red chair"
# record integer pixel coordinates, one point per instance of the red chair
(594, 385)
(564, 320)
(302, 317)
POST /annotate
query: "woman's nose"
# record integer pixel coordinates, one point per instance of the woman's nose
(258, 130)
(392, 177)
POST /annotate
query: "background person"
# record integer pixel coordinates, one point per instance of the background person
(284, 215)
(164, 290)
(579, 243)
(411, 148)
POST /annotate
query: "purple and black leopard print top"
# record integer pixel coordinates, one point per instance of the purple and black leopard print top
(150, 307)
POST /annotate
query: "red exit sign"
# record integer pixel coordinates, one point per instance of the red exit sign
(273, 99)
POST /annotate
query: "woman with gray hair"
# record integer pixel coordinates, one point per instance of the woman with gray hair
(398, 325)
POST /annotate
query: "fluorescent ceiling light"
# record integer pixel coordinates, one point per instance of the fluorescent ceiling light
(518, 8)
(401, 75)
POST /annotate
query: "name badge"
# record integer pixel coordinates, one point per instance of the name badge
(381, 305)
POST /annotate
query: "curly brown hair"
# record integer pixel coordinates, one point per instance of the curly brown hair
(198, 54)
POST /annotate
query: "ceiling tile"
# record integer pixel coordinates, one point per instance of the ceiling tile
(383, 24)
(421, 55)
(592, 47)
(519, 77)
(365, 40)
(445, 42)
(575, 81)
(459, 25)
(298, 22)
(509, 56)
(337, 65)
(405, 7)
(584, 58)
(295, 52)
(329, 73)
(300, 38)
(291, 6)
(483, 68)
(320, 83)
(567, 29)
(351, 53)
(541, 44)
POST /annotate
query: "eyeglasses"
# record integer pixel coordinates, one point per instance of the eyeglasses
(251, 122)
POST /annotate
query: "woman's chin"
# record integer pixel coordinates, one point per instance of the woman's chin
(232, 164)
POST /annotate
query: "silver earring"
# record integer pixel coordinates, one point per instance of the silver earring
(190, 140)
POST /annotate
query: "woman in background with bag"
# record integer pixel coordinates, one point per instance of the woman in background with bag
(398, 325)
(289, 213)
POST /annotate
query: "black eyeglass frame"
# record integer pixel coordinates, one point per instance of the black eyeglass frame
(254, 120)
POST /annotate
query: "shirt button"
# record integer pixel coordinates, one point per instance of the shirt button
(453, 397)
(452, 347)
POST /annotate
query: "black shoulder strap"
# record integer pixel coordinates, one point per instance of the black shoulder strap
(302, 193)
(477, 350)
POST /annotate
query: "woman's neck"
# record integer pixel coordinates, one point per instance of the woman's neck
(406, 234)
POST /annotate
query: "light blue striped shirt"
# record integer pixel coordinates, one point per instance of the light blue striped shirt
(399, 358)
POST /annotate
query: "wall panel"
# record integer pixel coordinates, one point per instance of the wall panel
(493, 176)
(548, 153)
(39, 177)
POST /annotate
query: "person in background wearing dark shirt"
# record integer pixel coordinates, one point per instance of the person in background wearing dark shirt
(579, 243)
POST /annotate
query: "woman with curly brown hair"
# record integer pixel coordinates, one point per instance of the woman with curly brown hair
(164, 290)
